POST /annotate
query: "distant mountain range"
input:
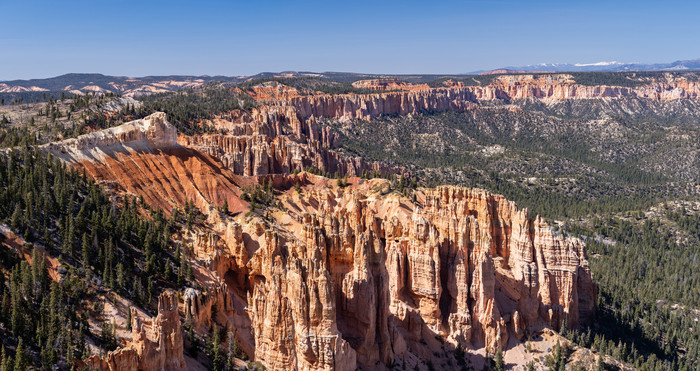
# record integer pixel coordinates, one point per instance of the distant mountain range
(81, 83)
(613, 66)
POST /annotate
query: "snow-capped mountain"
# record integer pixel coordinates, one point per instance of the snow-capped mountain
(611, 66)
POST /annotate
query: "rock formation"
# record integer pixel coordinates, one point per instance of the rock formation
(277, 140)
(155, 347)
(286, 131)
(388, 84)
(335, 277)
(151, 132)
(387, 276)
(143, 158)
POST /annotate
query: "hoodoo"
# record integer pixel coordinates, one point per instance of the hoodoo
(342, 277)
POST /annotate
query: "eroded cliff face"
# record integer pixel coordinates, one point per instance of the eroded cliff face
(150, 132)
(388, 84)
(457, 97)
(340, 278)
(287, 132)
(277, 140)
(157, 345)
(387, 276)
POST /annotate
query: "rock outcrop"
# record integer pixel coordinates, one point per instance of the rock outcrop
(388, 84)
(158, 346)
(277, 140)
(143, 158)
(458, 97)
(388, 276)
(150, 132)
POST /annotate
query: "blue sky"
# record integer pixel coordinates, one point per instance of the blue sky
(155, 37)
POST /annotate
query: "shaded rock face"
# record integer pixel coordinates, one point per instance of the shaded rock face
(155, 347)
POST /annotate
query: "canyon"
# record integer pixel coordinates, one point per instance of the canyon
(344, 270)
(350, 273)
(333, 276)
(287, 130)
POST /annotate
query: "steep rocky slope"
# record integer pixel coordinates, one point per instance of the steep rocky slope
(275, 140)
(155, 346)
(458, 98)
(334, 277)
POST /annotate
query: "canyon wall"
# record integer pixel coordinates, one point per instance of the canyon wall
(346, 107)
(285, 132)
(338, 277)
(389, 276)
(276, 140)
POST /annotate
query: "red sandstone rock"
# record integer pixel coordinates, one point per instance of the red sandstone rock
(158, 347)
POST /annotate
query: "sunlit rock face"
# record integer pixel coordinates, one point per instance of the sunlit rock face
(338, 277)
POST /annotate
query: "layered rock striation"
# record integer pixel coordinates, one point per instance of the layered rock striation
(286, 132)
(153, 131)
(277, 140)
(458, 97)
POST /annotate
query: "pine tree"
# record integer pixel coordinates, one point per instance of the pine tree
(128, 318)
(15, 219)
(16, 320)
(86, 252)
(3, 358)
(20, 357)
(217, 358)
(69, 237)
(555, 360)
(121, 277)
(6, 308)
(8, 363)
(499, 365)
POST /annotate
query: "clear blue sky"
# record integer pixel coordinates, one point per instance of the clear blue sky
(158, 37)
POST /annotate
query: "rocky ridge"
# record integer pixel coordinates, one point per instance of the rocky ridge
(275, 140)
(388, 276)
(151, 132)
(457, 98)
(286, 131)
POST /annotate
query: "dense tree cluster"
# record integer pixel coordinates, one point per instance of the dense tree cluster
(449, 147)
(99, 242)
(189, 108)
(647, 312)
(40, 316)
